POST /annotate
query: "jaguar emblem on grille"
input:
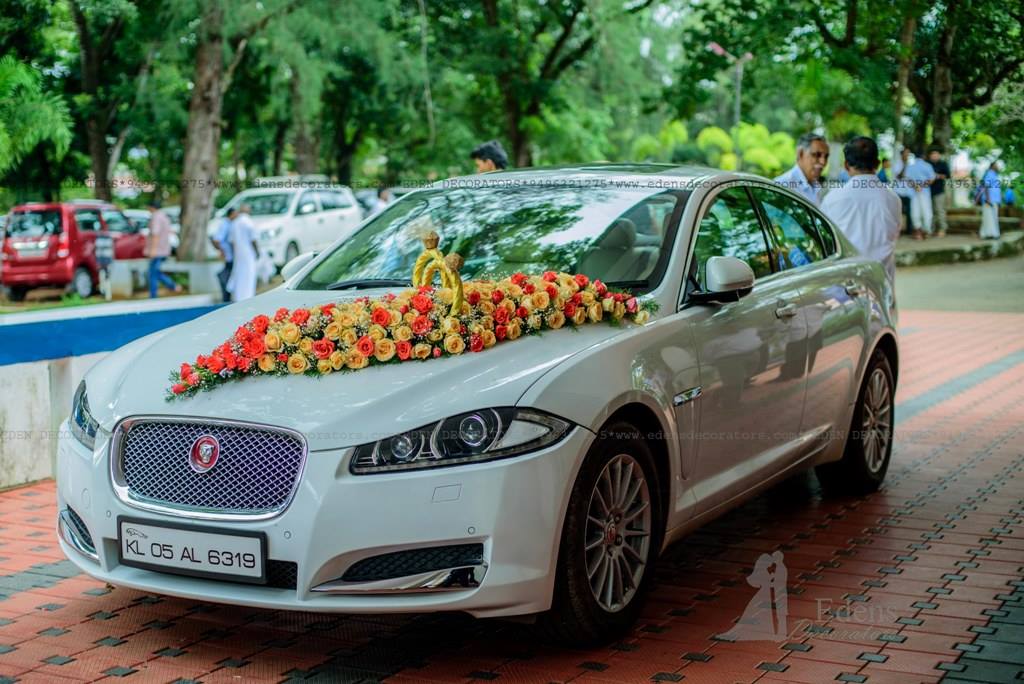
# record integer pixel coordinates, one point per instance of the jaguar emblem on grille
(204, 453)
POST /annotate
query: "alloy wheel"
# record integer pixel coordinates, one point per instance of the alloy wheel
(83, 283)
(877, 420)
(618, 532)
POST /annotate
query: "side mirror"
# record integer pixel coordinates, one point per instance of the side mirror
(296, 264)
(728, 279)
(307, 208)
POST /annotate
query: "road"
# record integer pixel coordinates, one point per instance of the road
(996, 285)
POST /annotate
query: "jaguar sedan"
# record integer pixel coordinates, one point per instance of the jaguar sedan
(541, 476)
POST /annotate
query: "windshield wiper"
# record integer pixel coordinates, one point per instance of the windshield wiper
(362, 283)
(628, 283)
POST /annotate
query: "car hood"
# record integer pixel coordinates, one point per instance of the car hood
(340, 410)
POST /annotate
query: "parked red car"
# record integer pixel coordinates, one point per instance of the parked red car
(53, 245)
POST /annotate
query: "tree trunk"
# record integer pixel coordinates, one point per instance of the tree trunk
(98, 157)
(279, 141)
(942, 125)
(306, 155)
(906, 60)
(202, 139)
(95, 117)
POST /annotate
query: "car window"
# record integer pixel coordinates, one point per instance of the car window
(34, 223)
(730, 227)
(116, 221)
(307, 204)
(795, 239)
(268, 204)
(88, 219)
(828, 238)
(330, 200)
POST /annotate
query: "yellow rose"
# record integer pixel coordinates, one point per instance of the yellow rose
(403, 333)
(306, 345)
(355, 360)
(364, 318)
(297, 363)
(476, 329)
(450, 325)
(346, 319)
(349, 337)
(384, 350)
(619, 311)
(421, 351)
(290, 333)
(333, 330)
(608, 304)
(435, 335)
(409, 317)
(534, 321)
(595, 312)
(487, 322)
(377, 332)
(580, 317)
(267, 363)
(323, 367)
(489, 339)
(466, 309)
(508, 305)
(641, 316)
(565, 292)
(540, 299)
(513, 330)
(446, 295)
(396, 317)
(273, 341)
(556, 320)
(526, 303)
(337, 360)
(485, 307)
(514, 291)
(454, 344)
(587, 297)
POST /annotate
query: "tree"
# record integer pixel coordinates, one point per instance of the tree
(28, 116)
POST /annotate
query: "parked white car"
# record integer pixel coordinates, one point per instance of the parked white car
(542, 476)
(293, 220)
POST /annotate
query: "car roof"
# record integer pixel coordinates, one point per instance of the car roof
(75, 204)
(675, 175)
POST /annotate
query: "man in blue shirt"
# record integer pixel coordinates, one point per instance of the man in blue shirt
(805, 176)
(222, 241)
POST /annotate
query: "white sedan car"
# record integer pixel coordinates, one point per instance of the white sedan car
(542, 476)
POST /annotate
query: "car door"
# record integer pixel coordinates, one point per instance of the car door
(751, 354)
(129, 242)
(87, 224)
(342, 213)
(309, 222)
(805, 247)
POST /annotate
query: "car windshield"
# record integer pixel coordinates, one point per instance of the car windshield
(266, 204)
(34, 223)
(617, 235)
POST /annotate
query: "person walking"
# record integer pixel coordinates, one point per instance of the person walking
(902, 187)
(805, 176)
(938, 189)
(158, 248)
(222, 242)
(865, 210)
(489, 156)
(991, 196)
(917, 176)
(242, 283)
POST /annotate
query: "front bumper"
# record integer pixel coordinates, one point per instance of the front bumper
(513, 507)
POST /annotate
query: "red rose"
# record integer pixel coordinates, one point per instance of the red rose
(281, 314)
(403, 309)
(521, 312)
(437, 352)
(576, 299)
(600, 287)
(381, 316)
(192, 380)
(282, 357)
(569, 310)
(421, 325)
(476, 343)
(529, 288)
(619, 297)
(473, 298)
(178, 389)
(500, 332)
(497, 296)
(632, 305)
(260, 324)
(550, 276)
(323, 348)
(501, 315)
(552, 291)
(327, 308)
(300, 316)
(389, 297)
(215, 364)
(365, 345)
(518, 279)
(404, 349)
(582, 280)
(201, 361)
(422, 303)
(242, 334)
(425, 289)
(255, 347)
(186, 370)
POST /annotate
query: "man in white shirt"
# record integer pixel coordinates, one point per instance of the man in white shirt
(805, 176)
(865, 209)
(915, 179)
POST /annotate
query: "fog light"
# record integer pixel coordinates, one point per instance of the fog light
(473, 430)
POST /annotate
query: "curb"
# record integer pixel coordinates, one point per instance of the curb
(1006, 246)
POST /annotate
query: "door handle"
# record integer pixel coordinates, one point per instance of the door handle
(786, 310)
(854, 289)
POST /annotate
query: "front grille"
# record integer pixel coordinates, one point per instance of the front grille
(282, 574)
(403, 563)
(256, 473)
(81, 530)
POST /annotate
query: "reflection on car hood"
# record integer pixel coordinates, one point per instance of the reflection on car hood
(342, 409)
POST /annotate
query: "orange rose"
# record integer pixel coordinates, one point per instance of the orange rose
(366, 345)
(454, 344)
(421, 351)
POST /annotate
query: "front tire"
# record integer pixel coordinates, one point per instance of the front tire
(81, 282)
(610, 540)
(869, 442)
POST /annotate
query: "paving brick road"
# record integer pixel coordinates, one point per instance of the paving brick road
(919, 582)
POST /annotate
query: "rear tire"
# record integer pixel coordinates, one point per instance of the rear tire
(290, 252)
(610, 540)
(869, 442)
(17, 294)
(81, 282)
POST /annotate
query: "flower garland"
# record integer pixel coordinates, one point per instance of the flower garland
(416, 324)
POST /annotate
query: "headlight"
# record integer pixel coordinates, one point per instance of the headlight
(270, 234)
(472, 437)
(83, 425)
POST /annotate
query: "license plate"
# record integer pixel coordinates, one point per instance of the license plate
(193, 550)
